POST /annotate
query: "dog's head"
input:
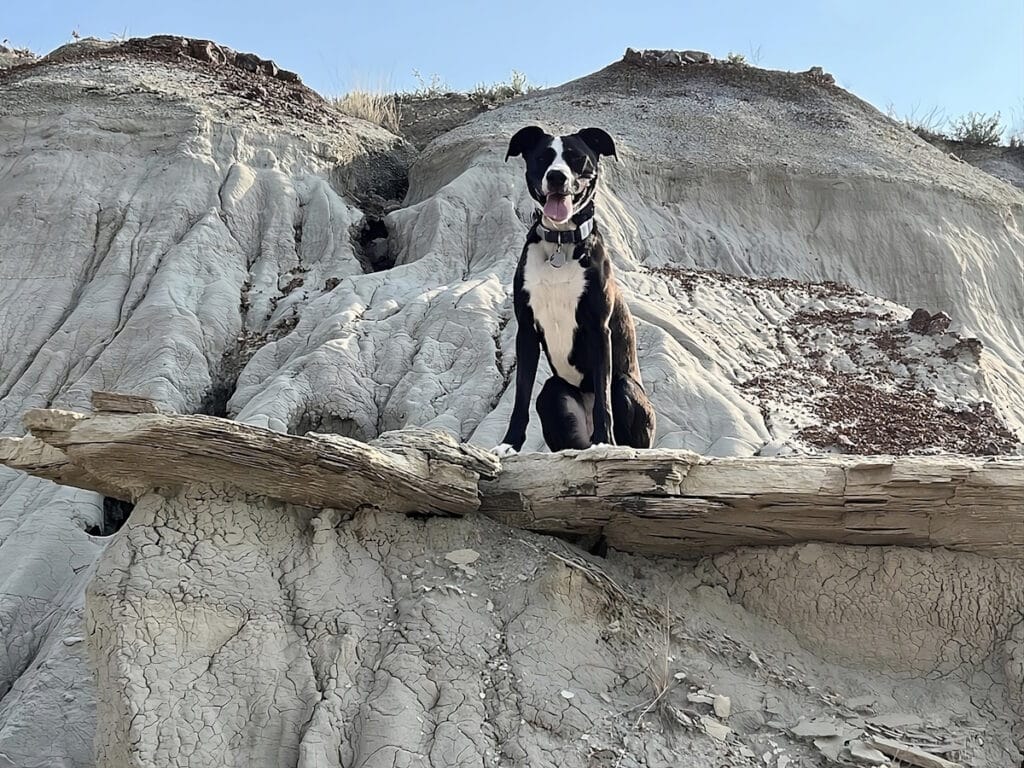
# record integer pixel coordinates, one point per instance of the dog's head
(561, 171)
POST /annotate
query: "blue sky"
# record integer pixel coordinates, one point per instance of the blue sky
(952, 55)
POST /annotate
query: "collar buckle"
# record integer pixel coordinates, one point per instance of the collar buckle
(566, 236)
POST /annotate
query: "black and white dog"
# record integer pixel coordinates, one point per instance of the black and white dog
(566, 301)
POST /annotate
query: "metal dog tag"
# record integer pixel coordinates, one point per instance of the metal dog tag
(557, 258)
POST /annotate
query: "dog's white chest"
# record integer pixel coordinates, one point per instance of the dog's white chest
(554, 293)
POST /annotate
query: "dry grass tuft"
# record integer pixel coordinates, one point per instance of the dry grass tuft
(373, 106)
(658, 671)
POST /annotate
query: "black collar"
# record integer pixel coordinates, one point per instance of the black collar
(584, 221)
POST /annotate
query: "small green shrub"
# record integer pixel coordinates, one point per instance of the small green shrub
(435, 86)
(978, 128)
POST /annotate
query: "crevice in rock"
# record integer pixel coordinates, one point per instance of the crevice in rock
(115, 513)
(371, 245)
(592, 543)
(232, 362)
(224, 378)
(215, 401)
(376, 179)
(328, 424)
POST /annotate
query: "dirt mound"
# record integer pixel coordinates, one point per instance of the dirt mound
(241, 74)
(13, 57)
(423, 118)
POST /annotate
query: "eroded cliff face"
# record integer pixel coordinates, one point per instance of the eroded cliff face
(189, 225)
(161, 213)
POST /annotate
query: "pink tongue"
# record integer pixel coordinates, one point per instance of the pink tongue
(557, 208)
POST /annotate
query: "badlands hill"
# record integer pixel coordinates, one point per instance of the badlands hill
(193, 225)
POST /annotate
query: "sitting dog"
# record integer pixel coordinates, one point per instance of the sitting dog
(567, 302)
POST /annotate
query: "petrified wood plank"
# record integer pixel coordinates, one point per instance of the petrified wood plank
(117, 402)
(125, 455)
(674, 502)
(661, 502)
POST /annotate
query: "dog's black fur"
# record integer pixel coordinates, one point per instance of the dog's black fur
(571, 307)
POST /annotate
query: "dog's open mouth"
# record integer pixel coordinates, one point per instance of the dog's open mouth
(558, 207)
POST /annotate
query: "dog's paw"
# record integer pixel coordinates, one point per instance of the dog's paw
(503, 451)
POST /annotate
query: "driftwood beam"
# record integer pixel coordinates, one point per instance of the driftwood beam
(675, 502)
(127, 454)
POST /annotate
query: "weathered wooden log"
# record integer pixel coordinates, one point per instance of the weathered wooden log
(125, 455)
(676, 502)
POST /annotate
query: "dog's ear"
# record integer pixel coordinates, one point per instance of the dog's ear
(598, 141)
(524, 140)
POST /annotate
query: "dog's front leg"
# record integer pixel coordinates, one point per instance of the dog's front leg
(604, 432)
(527, 356)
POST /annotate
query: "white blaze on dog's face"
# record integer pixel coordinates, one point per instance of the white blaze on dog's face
(561, 171)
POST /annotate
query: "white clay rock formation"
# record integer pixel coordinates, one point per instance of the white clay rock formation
(191, 225)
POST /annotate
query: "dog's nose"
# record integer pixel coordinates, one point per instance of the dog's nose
(556, 180)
